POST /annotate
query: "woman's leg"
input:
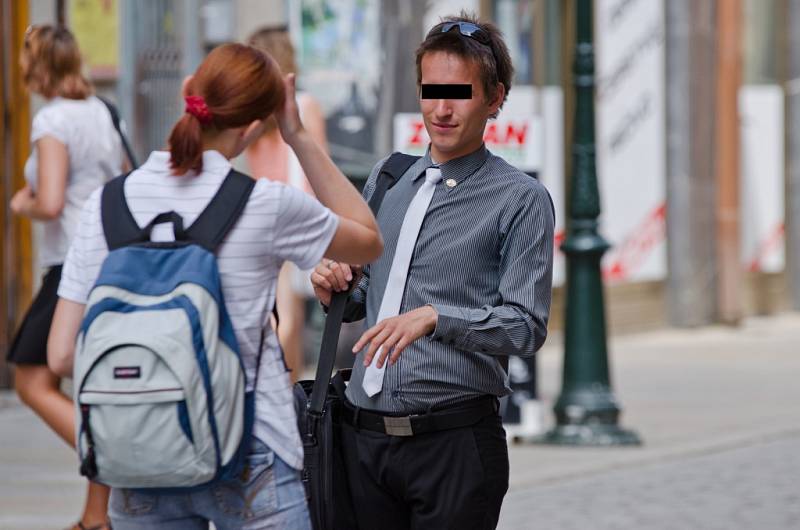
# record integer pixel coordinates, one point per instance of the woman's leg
(39, 389)
(291, 311)
(95, 511)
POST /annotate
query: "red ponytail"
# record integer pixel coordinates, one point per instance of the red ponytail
(186, 145)
(234, 86)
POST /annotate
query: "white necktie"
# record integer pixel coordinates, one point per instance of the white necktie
(396, 282)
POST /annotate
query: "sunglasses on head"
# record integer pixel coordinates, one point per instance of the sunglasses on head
(468, 29)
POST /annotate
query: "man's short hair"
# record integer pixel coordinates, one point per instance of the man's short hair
(493, 58)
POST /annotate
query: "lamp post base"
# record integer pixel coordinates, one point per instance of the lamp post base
(590, 435)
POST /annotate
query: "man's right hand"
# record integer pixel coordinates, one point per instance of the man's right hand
(331, 276)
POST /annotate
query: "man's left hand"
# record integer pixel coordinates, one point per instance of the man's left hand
(394, 334)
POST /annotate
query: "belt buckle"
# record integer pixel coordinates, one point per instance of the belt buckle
(398, 426)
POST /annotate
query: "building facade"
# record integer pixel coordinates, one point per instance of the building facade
(700, 192)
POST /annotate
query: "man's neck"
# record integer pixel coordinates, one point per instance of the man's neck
(439, 158)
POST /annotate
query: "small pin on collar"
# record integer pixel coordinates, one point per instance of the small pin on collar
(451, 183)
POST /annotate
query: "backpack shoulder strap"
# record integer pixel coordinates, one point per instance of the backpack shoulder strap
(221, 214)
(119, 226)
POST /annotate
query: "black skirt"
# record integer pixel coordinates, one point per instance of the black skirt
(30, 342)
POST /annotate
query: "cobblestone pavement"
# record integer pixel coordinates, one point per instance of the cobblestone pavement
(718, 410)
(745, 488)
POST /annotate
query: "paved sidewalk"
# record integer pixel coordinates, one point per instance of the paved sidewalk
(718, 409)
(719, 412)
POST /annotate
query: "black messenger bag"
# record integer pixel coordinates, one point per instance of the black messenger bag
(319, 402)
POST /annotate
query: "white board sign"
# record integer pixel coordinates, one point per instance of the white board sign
(761, 219)
(516, 139)
(630, 128)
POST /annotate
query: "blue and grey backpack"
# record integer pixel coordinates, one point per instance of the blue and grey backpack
(160, 387)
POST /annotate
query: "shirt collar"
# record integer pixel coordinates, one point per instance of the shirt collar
(213, 161)
(459, 168)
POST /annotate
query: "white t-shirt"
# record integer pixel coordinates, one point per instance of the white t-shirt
(279, 223)
(84, 126)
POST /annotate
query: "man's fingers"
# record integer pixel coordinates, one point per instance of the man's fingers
(398, 349)
(388, 346)
(366, 337)
(318, 280)
(340, 274)
(376, 343)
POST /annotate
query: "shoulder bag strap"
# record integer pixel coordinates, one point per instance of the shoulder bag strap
(394, 168)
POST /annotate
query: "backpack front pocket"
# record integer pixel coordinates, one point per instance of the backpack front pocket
(135, 417)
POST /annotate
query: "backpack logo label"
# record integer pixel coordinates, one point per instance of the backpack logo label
(127, 372)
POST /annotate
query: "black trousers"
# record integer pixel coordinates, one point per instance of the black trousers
(447, 479)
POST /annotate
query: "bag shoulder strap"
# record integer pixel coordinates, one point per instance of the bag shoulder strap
(221, 214)
(391, 171)
(115, 119)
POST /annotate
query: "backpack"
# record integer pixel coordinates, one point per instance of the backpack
(159, 384)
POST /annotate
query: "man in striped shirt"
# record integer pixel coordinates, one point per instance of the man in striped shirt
(428, 450)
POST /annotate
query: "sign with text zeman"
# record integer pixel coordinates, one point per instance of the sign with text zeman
(516, 139)
(630, 137)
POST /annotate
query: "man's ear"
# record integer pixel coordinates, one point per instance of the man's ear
(187, 81)
(499, 96)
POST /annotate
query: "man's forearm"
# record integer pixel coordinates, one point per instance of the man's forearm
(500, 330)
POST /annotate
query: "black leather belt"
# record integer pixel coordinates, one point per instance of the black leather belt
(459, 415)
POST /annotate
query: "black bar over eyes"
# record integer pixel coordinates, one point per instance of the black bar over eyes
(446, 91)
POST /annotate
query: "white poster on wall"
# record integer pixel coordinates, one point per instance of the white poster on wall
(630, 128)
(435, 11)
(762, 178)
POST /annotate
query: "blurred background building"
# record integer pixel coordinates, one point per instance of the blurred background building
(697, 147)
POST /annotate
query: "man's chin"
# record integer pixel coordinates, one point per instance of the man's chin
(444, 146)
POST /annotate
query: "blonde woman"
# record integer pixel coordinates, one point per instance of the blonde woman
(270, 157)
(75, 150)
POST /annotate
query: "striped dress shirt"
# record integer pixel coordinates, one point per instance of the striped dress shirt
(483, 260)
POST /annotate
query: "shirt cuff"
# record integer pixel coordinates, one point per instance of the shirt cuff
(451, 324)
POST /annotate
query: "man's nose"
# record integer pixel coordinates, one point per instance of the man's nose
(443, 107)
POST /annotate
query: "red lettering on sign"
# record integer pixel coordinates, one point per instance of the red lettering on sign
(416, 136)
(514, 134)
(772, 243)
(518, 134)
(631, 254)
(490, 135)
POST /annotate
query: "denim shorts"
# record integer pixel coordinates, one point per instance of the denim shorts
(269, 494)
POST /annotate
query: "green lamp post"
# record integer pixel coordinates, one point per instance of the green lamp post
(586, 411)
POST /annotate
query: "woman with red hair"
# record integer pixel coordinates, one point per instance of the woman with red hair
(228, 99)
